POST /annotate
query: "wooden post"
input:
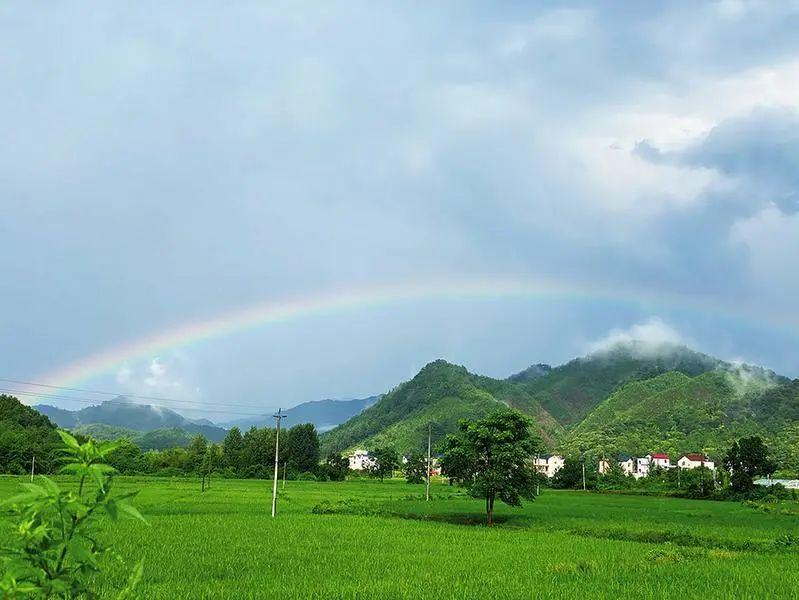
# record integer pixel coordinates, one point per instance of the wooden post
(284, 475)
(427, 479)
(33, 466)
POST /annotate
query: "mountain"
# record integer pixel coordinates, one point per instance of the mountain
(441, 394)
(324, 414)
(676, 413)
(121, 412)
(530, 373)
(569, 392)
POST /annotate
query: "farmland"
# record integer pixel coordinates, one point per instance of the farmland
(371, 540)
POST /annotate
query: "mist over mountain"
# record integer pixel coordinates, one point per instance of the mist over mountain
(121, 412)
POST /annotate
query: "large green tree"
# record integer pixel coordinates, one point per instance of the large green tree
(232, 448)
(746, 459)
(415, 468)
(302, 447)
(382, 462)
(493, 458)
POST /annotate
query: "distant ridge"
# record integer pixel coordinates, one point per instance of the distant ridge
(121, 412)
(324, 414)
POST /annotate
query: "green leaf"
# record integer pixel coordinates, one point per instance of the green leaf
(133, 581)
(130, 510)
(68, 440)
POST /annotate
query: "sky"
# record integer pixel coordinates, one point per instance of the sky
(165, 164)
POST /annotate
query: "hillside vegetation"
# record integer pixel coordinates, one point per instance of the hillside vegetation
(571, 391)
(441, 394)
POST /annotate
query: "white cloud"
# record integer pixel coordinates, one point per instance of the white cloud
(168, 378)
(647, 338)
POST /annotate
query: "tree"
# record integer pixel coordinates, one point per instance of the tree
(335, 467)
(746, 459)
(493, 458)
(302, 448)
(232, 448)
(197, 450)
(382, 462)
(415, 468)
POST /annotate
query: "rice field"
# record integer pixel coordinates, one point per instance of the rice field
(364, 539)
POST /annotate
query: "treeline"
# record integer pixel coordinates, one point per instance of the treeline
(248, 455)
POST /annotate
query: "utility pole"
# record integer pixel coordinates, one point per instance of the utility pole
(278, 418)
(582, 455)
(33, 466)
(427, 479)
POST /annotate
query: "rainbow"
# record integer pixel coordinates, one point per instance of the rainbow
(291, 309)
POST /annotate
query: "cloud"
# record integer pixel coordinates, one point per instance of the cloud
(649, 338)
(168, 378)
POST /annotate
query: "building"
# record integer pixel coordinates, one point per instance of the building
(659, 460)
(695, 461)
(625, 462)
(359, 460)
(549, 464)
(641, 467)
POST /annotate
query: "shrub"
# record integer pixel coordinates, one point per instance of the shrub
(57, 531)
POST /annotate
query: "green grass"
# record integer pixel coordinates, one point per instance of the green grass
(224, 544)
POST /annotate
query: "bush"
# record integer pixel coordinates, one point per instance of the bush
(306, 476)
(57, 532)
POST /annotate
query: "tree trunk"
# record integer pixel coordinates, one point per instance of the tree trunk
(490, 509)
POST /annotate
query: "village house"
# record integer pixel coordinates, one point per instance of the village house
(660, 460)
(359, 460)
(549, 464)
(633, 466)
(695, 461)
(641, 467)
(627, 464)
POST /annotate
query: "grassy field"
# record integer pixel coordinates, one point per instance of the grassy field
(376, 540)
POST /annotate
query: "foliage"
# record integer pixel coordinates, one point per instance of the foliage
(442, 394)
(493, 458)
(571, 391)
(335, 467)
(415, 470)
(58, 531)
(746, 459)
(382, 462)
(24, 433)
(570, 476)
(302, 447)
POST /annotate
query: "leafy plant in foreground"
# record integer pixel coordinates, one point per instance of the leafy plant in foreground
(58, 531)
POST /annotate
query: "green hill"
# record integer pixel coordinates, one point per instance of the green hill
(677, 413)
(571, 391)
(441, 394)
(157, 439)
(24, 433)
